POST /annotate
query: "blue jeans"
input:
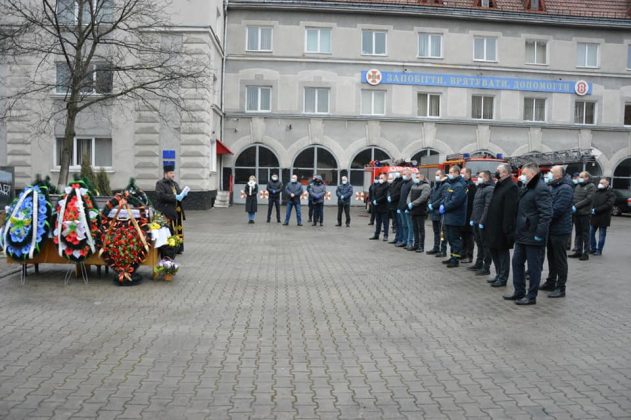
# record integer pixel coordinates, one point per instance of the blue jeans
(251, 215)
(602, 235)
(534, 256)
(408, 228)
(296, 205)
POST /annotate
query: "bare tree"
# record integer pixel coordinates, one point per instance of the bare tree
(102, 51)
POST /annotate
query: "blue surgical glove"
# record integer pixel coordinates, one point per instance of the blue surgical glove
(389, 199)
(184, 194)
(594, 211)
(430, 207)
(441, 209)
(410, 205)
(573, 209)
(398, 211)
(374, 202)
(179, 197)
(481, 226)
(538, 239)
(471, 223)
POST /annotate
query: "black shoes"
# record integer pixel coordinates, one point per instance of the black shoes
(526, 301)
(370, 224)
(250, 222)
(447, 261)
(399, 244)
(299, 224)
(348, 225)
(558, 293)
(483, 272)
(491, 280)
(475, 267)
(285, 224)
(583, 257)
(267, 220)
(453, 262)
(574, 255)
(466, 260)
(420, 250)
(499, 283)
(513, 297)
(548, 286)
(385, 239)
(432, 252)
(338, 225)
(373, 238)
(440, 255)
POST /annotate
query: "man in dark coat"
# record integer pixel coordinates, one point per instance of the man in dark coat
(293, 191)
(583, 195)
(560, 231)
(169, 199)
(394, 194)
(380, 204)
(467, 230)
(534, 213)
(344, 193)
(481, 203)
(251, 191)
(454, 211)
(433, 205)
(500, 227)
(407, 234)
(417, 205)
(603, 202)
(316, 196)
(371, 195)
(274, 189)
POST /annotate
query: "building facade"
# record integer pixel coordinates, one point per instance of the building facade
(127, 138)
(323, 87)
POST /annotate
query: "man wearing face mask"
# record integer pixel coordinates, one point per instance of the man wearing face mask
(380, 204)
(500, 224)
(293, 191)
(604, 200)
(481, 203)
(274, 188)
(394, 195)
(309, 200)
(534, 212)
(344, 193)
(582, 209)
(251, 199)
(435, 198)
(560, 230)
(454, 210)
(407, 234)
(467, 230)
(316, 195)
(417, 204)
(371, 196)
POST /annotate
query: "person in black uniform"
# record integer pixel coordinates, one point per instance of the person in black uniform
(169, 198)
(274, 189)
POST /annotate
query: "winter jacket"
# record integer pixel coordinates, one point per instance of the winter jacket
(604, 201)
(381, 197)
(470, 189)
(418, 196)
(394, 191)
(455, 202)
(371, 191)
(274, 188)
(344, 193)
(562, 196)
(250, 198)
(481, 202)
(436, 197)
(317, 192)
(403, 197)
(501, 215)
(583, 195)
(165, 198)
(534, 213)
(293, 188)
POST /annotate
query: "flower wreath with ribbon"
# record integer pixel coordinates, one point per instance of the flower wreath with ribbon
(77, 229)
(123, 236)
(27, 224)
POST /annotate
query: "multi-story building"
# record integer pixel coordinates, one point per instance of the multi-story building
(127, 138)
(326, 86)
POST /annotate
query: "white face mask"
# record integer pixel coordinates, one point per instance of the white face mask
(549, 177)
(437, 178)
(523, 179)
(344, 181)
(294, 180)
(416, 180)
(451, 176)
(381, 181)
(479, 181)
(581, 180)
(601, 186)
(274, 178)
(405, 177)
(575, 181)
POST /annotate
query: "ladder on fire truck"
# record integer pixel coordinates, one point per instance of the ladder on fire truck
(559, 157)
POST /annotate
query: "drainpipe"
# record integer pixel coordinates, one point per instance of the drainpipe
(223, 85)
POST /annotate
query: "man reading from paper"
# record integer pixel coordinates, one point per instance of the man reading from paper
(169, 201)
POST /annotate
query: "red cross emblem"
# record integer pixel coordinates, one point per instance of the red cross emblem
(373, 77)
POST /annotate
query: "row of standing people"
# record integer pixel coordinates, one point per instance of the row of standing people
(293, 191)
(497, 215)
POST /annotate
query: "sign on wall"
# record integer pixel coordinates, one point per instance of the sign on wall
(376, 77)
(7, 186)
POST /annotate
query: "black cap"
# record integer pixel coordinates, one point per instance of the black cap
(169, 167)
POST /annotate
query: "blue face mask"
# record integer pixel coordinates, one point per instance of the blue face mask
(450, 176)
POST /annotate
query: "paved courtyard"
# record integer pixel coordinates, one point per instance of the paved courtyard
(265, 321)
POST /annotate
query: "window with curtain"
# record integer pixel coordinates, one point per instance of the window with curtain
(318, 40)
(584, 112)
(259, 38)
(428, 105)
(316, 100)
(534, 109)
(430, 45)
(373, 102)
(258, 99)
(536, 52)
(98, 151)
(484, 48)
(586, 54)
(373, 42)
(482, 107)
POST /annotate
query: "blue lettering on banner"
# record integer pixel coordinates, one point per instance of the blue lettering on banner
(477, 82)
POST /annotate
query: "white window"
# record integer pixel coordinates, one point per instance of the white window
(98, 151)
(534, 109)
(536, 52)
(628, 57)
(98, 80)
(586, 54)
(318, 40)
(430, 45)
(373, 43)
(67, 12)
(258, 99)
(428, 105)
(316, 100)
(373, 102)
(482, 107)
(259, 38)
(584, 112)
(484, 48)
